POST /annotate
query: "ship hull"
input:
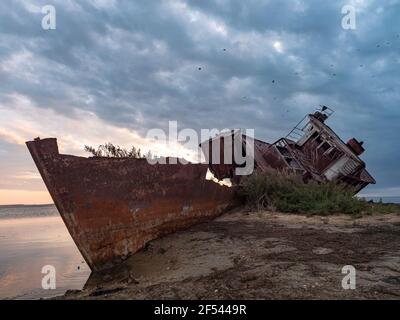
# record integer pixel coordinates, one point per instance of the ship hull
(113, 206)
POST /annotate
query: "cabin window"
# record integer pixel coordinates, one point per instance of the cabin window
(332, 151)
(324, 146)
(316, 137)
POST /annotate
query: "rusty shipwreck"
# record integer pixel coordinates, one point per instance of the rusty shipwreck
(113, 206)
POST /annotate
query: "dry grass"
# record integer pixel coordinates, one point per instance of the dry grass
(287, 192)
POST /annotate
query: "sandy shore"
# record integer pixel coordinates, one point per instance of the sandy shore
(261, 255)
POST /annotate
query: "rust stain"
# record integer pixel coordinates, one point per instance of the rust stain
(312, 149)
(113, 206)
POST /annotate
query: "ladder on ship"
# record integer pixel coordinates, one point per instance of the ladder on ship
(300, 128)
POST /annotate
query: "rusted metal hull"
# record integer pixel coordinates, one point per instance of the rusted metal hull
(312, 150)
(112, 207)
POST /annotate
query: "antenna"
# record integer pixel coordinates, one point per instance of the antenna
(325, 110)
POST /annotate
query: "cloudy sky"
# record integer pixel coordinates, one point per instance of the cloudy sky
(114, 69)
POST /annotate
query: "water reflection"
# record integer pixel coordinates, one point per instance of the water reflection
(26, 245)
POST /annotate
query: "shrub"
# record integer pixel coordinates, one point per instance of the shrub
(384, 208)
(110, 150)
(287, 192)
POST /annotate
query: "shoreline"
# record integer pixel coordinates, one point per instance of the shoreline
(260, 255)
(26, 205)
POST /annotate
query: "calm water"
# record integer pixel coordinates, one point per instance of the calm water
(384, 199)
(31, 237)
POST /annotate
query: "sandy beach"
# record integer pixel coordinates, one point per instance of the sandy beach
(261, 255)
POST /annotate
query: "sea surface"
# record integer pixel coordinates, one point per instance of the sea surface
(383, 199)
(32, 237)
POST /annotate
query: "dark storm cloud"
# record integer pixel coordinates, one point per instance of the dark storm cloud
(249, 64)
